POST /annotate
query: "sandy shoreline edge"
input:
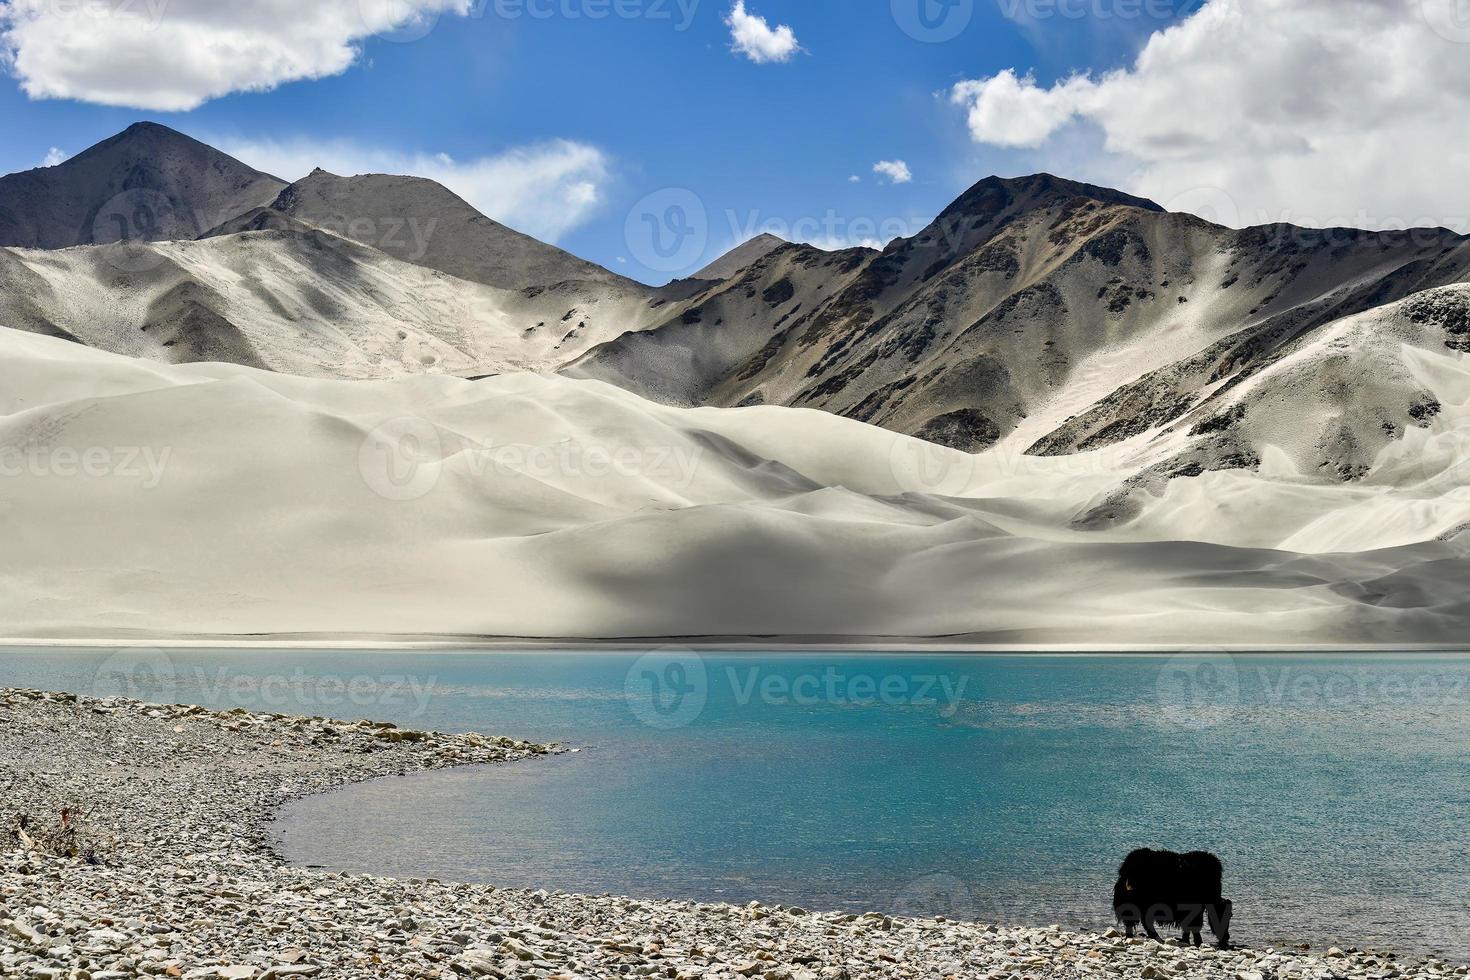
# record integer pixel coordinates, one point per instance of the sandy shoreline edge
(177, 802)
(700, 644)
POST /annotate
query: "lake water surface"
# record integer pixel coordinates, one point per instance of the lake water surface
(1004, 788)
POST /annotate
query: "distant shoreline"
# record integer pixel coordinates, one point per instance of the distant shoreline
(702, 644)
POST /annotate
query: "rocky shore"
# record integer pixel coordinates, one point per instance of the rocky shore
(134, 841)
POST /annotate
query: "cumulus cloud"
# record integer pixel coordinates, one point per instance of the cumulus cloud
(174, 55)
(55, 156)
(896, 171)
(754, 37)
(1312, 111)
(544, 190)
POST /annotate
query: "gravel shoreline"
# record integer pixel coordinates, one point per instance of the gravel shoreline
(174, 875)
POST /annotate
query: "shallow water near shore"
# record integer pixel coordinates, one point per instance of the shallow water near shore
(1002, 788)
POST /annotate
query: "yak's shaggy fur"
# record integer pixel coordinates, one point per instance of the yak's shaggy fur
(1163, 888)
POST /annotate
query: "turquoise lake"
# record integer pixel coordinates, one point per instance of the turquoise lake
(1002, 788)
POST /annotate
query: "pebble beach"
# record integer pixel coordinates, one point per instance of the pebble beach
(135, 840)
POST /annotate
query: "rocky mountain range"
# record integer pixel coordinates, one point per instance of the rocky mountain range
(1059, 317)
(1036, 315)
(147, 183)
(187, 255)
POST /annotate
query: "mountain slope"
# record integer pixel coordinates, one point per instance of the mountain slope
(355, 277)
(1028, 302)
(148, 183)
(735, 261)
(419, 221)
(295, 300)
(709, 343)
(1372, 398)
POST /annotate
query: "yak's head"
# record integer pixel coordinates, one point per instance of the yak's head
(1125, 902)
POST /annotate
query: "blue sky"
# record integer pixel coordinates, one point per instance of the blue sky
(629, 106)
(762, 145)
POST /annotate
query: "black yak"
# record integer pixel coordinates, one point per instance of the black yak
(1160, 888)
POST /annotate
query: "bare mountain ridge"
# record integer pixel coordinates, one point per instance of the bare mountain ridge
(735, 261)
(419, 221)
(148, 182)
(354, 277)
(1034, 316)
(1046, 316)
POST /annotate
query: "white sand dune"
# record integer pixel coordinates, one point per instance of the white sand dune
(148, 500)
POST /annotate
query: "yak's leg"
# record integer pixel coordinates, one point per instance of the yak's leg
(1128, 930)
(1150, 920)
(1192, 919)
(1220, 916)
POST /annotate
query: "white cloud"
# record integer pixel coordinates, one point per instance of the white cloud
(544, 190)
(896, 171)
(55, 156)
(836, 243)
(1013, 111)
(173, 55)
(854, 179)
(754, 37)
(1311, 111)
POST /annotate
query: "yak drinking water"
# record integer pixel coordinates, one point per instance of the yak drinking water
(1162, 888)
